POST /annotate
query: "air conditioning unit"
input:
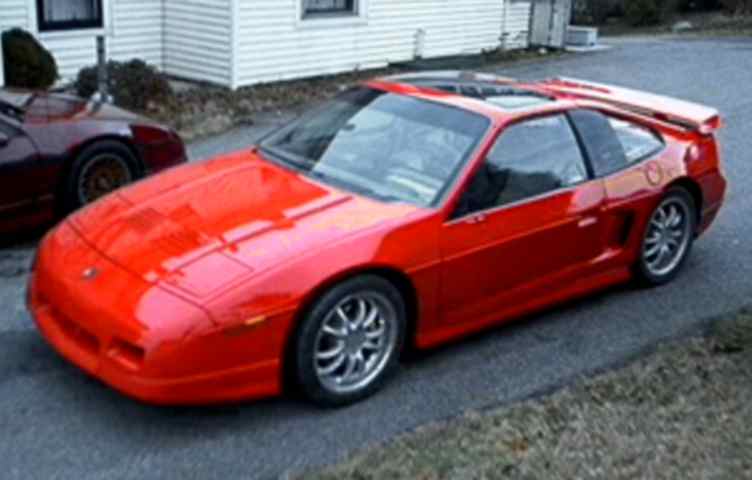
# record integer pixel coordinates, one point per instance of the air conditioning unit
(582, 36)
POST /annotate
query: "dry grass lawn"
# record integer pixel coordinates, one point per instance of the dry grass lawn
(683, 412)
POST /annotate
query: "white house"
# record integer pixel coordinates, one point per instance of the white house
(241, 42)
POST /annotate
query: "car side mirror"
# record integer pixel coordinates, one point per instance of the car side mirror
(4, 140)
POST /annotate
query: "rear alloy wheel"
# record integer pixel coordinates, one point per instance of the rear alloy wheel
(668, 238)
(350, 341)
(100, 169)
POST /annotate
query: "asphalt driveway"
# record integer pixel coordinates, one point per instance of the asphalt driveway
(57, 423)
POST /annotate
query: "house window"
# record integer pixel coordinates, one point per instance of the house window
(55, 15)
(314, 8)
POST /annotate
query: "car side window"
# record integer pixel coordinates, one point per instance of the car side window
(8, 130)
(529, 158)
(613, 144)
(599, 139)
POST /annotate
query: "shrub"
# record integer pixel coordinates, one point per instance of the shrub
(596, 12)
(698, 5)
(737, 6)
(26, 62)
(647, 12)
(133, 84)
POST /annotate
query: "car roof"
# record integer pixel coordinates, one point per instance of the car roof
(497, 97)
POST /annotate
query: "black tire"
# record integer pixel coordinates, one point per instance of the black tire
(70, 199)
(649, 276)
(308, 335)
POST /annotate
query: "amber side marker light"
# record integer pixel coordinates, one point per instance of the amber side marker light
(246, 326)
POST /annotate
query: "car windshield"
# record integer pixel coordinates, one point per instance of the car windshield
(383, 145)
(13, 104)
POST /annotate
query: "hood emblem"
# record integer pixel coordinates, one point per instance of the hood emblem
(90, 273)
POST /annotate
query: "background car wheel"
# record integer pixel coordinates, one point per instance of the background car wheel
(349, 342)
(668, 238)
(98, 170)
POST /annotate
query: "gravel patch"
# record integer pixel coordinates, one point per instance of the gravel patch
(681, 413)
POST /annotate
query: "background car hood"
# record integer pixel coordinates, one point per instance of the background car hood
(204, 227)
(55, 108)
(45, 107)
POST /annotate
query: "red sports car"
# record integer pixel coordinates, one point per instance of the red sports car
(59, 152)
(408, 211)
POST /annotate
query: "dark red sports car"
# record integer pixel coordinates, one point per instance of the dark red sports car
(59, 152)
(410, 210)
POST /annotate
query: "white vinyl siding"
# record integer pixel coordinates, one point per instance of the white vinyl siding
(516, 24)
(137, 31)
(133, 29)
(15, 13)
(198, 39)
(72, 51)
(242, 42)
(274, 43)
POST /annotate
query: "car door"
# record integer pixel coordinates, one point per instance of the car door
(527, 223)
(624, 155)
(18, 187)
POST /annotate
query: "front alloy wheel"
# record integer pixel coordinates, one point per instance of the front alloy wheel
(350, 341)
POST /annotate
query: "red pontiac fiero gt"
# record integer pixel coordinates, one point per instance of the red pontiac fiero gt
(409, 210)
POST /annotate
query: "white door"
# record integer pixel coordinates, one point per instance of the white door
(559, 23)
(550, 19)
(541, 22)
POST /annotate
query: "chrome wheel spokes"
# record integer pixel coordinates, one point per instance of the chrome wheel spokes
(667, 237)
(355, 342)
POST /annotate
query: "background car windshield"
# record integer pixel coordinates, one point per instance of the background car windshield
(387, 146)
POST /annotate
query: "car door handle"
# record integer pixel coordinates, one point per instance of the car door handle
(477, 218)
(587, 222)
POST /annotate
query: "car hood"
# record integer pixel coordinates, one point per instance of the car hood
(55, 107)
(202, 228)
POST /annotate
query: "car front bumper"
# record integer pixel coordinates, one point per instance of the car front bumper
(87, 323)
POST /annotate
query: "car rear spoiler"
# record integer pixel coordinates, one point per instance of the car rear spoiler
(688, 115)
